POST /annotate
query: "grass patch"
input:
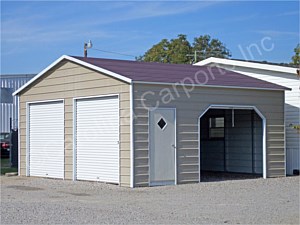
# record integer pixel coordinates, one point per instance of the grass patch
(5, 167)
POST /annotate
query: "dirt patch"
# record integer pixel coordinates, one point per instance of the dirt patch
(24, 188)
(78, 194)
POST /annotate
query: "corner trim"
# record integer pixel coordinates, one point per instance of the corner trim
(19, 138)
(131, 93)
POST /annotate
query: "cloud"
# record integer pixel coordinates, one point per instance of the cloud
(158, 9)
(144, 10)
(42, 22)
(277, 33)
(241, 18)
(290, 13)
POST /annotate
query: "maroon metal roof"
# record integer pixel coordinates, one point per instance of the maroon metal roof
(179, 73)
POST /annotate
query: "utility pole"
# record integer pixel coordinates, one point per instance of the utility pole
(194, 55)
(86, 46)
(85, 50)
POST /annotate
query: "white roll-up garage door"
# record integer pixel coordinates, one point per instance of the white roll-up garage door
(46, 140)
(97, 139)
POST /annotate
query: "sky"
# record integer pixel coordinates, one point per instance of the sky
(36, 33)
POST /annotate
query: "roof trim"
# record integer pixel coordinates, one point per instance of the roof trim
(66, 57)
(261, 66)
(213, 86)
(29, 75)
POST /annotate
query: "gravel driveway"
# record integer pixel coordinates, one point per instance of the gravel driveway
(45, 201)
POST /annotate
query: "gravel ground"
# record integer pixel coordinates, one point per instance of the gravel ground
(46, 201)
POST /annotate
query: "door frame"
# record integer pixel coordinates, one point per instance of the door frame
(75, 130)
(246, 107)
(28, 104)
(150, 110)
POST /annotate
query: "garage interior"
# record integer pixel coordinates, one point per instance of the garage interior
(231, 145)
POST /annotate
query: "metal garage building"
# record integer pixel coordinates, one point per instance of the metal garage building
(146, 124)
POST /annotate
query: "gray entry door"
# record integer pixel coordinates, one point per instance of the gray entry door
(162, 146)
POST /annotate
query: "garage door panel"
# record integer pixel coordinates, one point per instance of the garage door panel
(39, 168)
(38, 157)
(97, 112)
(46, 139)
(95, 154)
(107, 172)
(95, 144)
(97, 139)
(98, 136)
(102, 161)
(108, 150)
(38, 173)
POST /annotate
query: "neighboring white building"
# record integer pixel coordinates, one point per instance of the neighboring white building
(8, 103)
(286, 76)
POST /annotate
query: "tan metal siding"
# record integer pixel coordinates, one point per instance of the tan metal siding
(67, 81)
(270, 103)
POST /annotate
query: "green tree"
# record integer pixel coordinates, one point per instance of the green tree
(296, 57)
(179, 50)
(206, 47)
(157, 53)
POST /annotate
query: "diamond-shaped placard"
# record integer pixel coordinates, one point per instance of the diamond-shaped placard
(162, 123)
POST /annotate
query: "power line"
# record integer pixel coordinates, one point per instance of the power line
(117, 53)
(204, 54)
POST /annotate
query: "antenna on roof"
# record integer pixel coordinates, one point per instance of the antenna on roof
(86, 46)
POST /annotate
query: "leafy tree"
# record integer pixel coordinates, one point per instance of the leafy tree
(209, 47)
(296, 57)
(158, 53)
(179, 50)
